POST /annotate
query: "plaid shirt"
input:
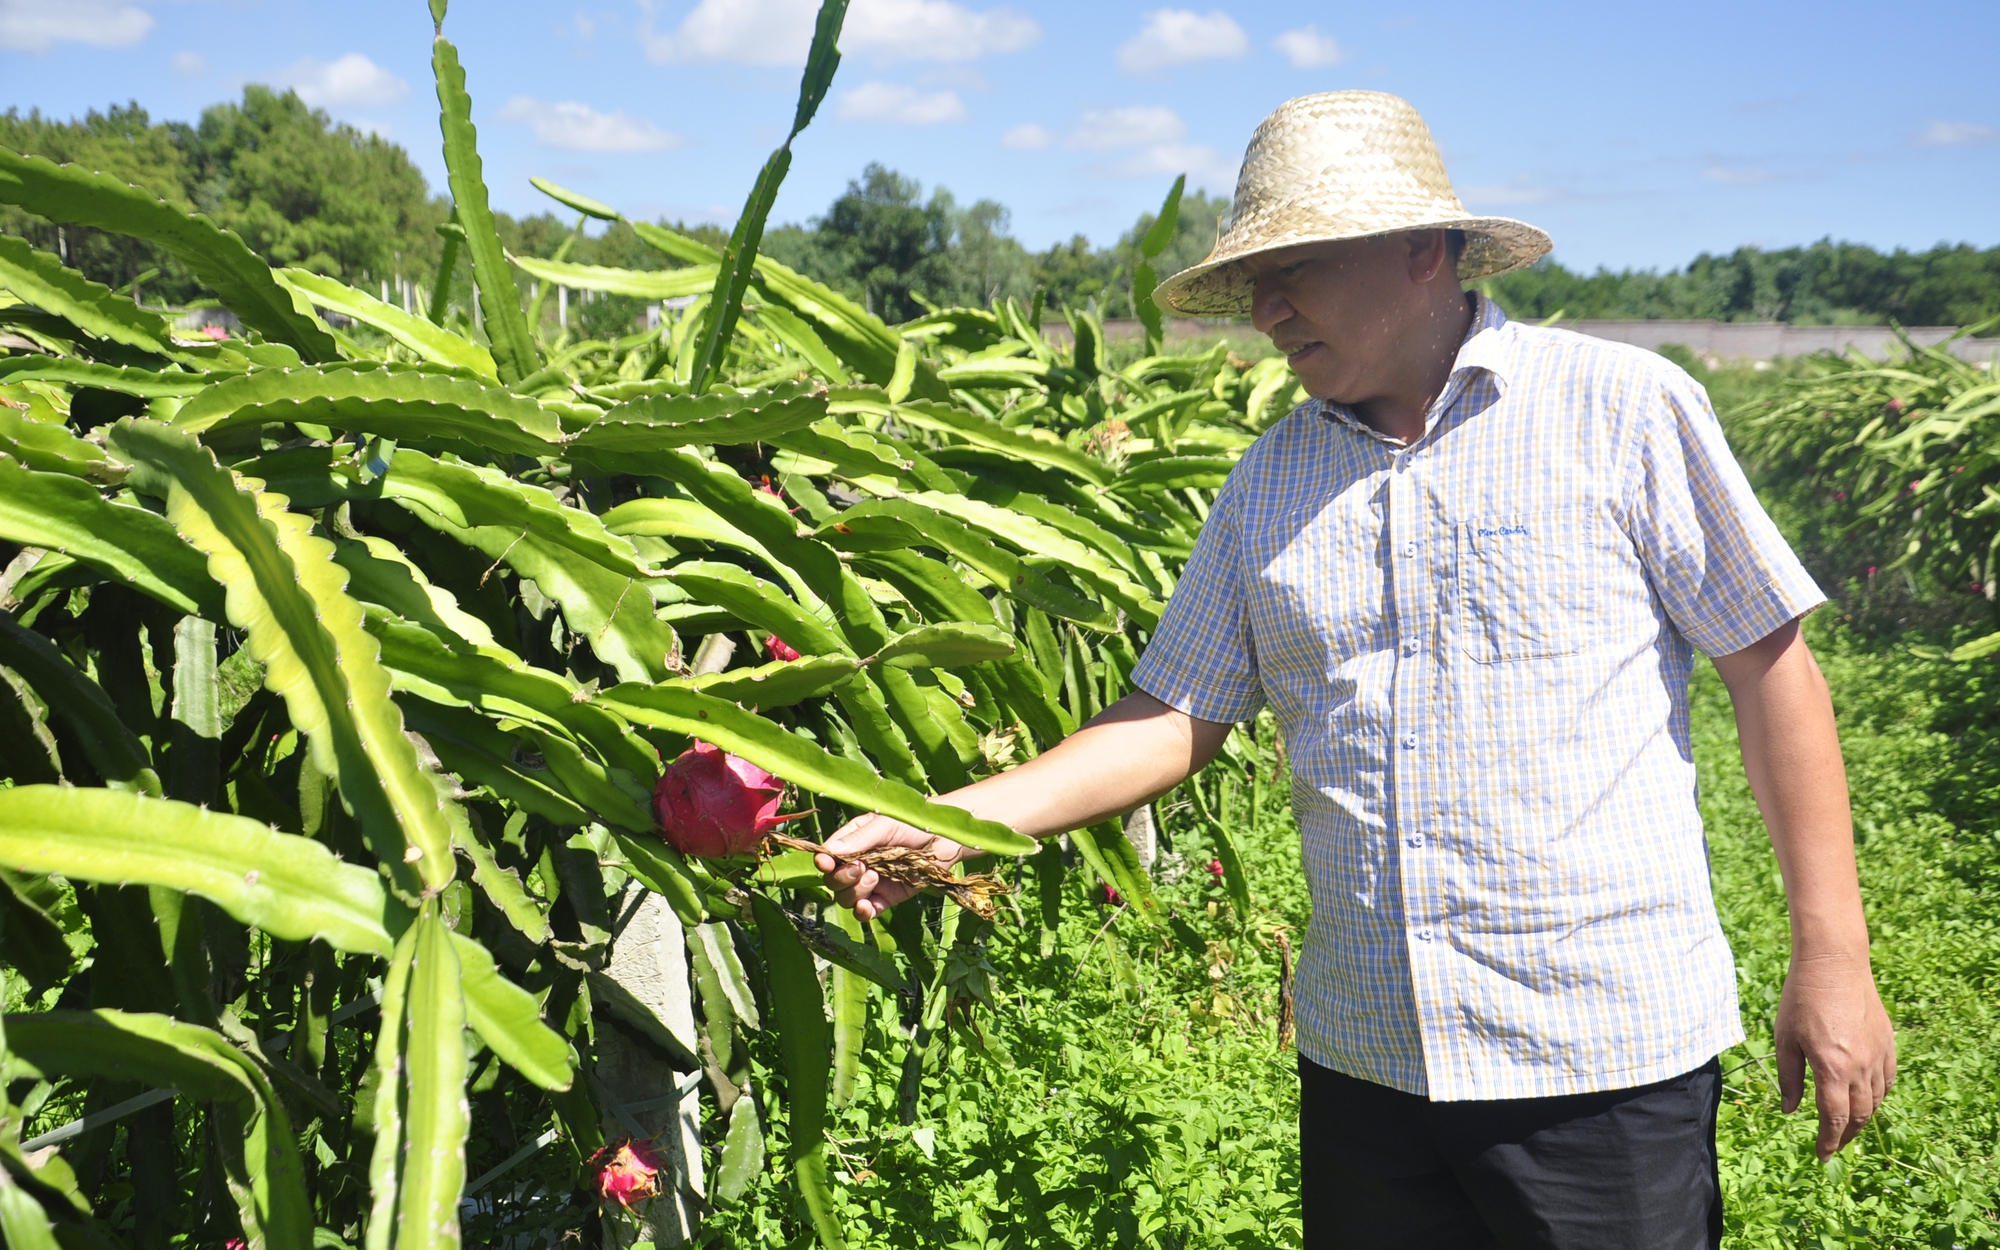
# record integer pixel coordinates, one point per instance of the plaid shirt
(1479, 646)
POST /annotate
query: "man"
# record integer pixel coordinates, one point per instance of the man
(1469, 576)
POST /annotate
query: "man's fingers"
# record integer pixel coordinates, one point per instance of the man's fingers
(885, 896)
(1791, 1073)
(1834, 1118)
(840, 875)
(861, 887)
(855, 834)
(857, 886)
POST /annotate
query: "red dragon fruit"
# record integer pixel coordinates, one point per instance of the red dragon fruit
(778, 650)
(630, 1173)
(712, 803)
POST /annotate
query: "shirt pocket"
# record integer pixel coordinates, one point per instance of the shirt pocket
(1524, 588)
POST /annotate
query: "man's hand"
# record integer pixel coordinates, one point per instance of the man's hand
(861, 888)
(1831, 1018)
(1130, 753)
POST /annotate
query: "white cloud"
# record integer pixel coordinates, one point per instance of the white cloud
(572, 127)
(1523, 190)
(889, 102)
(37, 25)
(1940, 134)
(1027, 137)
(1179, 37)
(933, 30)
(748, 32)
(1149, 139)
(1104, 130)
(1309, 47)
(778, 32)
(1203, 165)
(353, 81)
(190, 63)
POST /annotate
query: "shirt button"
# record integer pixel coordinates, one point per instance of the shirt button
(1423, 935)
(1409, 646)
(1409, 742)
(1410, 548)
(1415, 839)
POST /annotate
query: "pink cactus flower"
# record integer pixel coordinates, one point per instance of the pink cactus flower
(629, 1173)
(236, 1243)
(712, 803)
(777, 649)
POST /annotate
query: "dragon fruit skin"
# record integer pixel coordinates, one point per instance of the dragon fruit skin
(713, 804)
(631, 1175)
(779, 649)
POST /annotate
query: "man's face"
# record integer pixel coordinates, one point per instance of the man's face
(1340, 310)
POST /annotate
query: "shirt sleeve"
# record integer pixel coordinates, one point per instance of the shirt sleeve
(1201, 659)
(1725, 575)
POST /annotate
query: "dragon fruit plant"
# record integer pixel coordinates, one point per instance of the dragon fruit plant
(345, 733)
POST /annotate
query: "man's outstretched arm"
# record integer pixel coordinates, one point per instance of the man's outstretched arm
(1131, 753)
(1830, 1015)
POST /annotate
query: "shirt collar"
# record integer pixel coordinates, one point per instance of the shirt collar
(1483, 347)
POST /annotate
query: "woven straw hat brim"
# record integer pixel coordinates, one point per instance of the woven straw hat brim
(1335, 166)
(1220, 286)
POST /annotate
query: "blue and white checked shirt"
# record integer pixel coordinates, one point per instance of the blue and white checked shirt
(1478, 646)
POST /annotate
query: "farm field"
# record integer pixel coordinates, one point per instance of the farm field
(418, 714)
(1113, 1105)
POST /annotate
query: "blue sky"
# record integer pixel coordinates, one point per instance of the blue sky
(1638, 135)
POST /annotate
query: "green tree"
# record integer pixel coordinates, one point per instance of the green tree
(990, 263)
(1826, 283)
(885, 244)
(299, 188)
(303, 190)
(123, 141)
(889, 242)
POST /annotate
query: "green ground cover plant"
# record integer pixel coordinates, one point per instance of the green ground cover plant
(1145, 1117)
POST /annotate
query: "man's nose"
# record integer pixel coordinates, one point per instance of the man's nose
(1268, 305)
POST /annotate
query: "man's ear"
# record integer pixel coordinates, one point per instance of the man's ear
(1427, 254)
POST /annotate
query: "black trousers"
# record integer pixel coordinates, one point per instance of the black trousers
(1629, 1169)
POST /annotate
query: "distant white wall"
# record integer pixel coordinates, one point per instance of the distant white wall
(1720, 341)
(1768, 340)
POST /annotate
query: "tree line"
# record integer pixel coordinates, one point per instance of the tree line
(1826, 283)
(304, 190)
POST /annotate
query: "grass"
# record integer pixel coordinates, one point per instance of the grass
(1116, 1102)
(1924, 1173)
(1120, 1092)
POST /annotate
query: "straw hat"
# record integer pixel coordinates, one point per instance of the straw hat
(1342, 165)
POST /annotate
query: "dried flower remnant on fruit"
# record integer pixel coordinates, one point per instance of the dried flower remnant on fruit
(904, 865)
(778, 649)
(628, 1173)
(712, 804)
